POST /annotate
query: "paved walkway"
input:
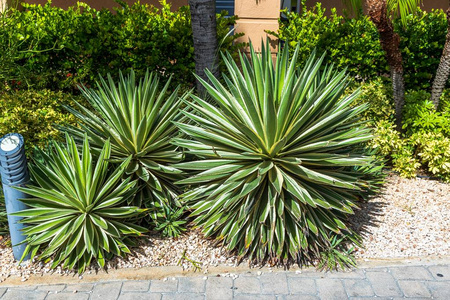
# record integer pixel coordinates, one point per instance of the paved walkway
(415, 281)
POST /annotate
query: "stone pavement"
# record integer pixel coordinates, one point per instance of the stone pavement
(382, 282)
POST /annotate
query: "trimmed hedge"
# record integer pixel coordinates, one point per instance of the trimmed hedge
(60, 49)
(354, 43)
(33, 114)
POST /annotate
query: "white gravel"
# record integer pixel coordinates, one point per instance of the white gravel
(409, 218)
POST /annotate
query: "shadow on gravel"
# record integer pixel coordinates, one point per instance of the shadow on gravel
(367, 215)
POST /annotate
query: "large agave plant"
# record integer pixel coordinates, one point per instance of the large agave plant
(279, 160)
(136, 115)
(77, 207)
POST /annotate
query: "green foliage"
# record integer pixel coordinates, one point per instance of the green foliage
(71, 47)
(337, 256)
(425, 141)
(350, 43)
(137, 116)
(33, 114)
(308, 30)
(377, 94)
(421, 43)
(386, 138)
(434, 151)
(3, 216)
(279, 162)
(169, 220)
(10, 45)
(404, 161)
(420, 115)
(354, 43)
(77, 211)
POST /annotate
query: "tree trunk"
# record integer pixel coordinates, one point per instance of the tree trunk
(444, 68)
(203, 20)
(390, 42)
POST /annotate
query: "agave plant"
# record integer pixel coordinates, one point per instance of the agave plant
(78, 207)
(136, 115)
(3, 215)
(279, 161)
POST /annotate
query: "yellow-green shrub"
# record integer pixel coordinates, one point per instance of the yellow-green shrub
(33, 114)
(378, 94)
(433, 149)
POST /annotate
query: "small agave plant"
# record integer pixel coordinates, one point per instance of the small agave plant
(137, 116)
(3, 215)
(279, 158)
(78, 208)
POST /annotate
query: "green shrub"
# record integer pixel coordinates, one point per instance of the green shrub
(71, 47)
(425, 142)
(377, 94)
(350, 43)
(33, 114)
(404, 161)
(10, 50)
(387, 139)
(307, 31)
(278, 164)
(421, 43)
(78, 207)
(420, 115)
(137, 115)
(354, 43)
(433, 150)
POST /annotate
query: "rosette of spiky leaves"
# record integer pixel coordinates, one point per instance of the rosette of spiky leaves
(279, 160)
(136, 115)
(3, 215)
(78, 207)
(169, 220)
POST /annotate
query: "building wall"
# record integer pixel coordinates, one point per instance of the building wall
(254, 18)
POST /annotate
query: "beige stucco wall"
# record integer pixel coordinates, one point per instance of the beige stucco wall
(255, 17)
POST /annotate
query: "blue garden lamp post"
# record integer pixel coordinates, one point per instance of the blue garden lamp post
(14, 172)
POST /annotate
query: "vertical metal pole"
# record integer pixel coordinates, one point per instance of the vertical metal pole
(14, 172)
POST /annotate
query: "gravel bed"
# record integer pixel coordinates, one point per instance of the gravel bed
(409, 218)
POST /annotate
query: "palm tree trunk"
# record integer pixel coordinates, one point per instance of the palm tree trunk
(444, 68)
(390, 41)
(203, 20)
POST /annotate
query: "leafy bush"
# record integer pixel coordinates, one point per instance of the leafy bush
(377, 95)
(434, 152)
(33, 114)
(421, 43)
(278, 163)
(354, 43)
(71, 47)
(420, 115)
(350, 43)
(137, 116)
(10, 50)
(425, 141)
(77, 211)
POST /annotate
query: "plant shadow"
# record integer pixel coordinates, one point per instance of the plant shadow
(368, 215)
